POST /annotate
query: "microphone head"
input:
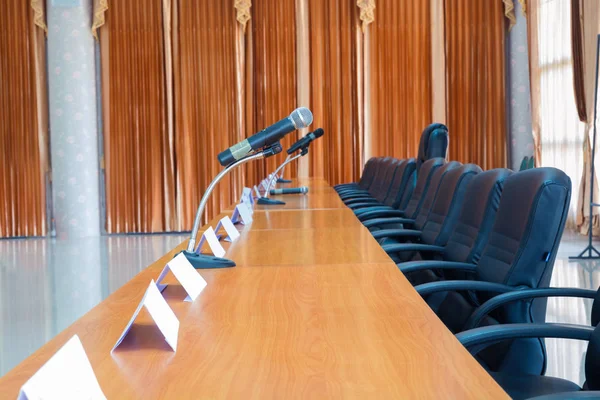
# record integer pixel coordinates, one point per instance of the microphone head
(301, 117)
(318, 132)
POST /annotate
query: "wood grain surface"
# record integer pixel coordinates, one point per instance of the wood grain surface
(310, 311)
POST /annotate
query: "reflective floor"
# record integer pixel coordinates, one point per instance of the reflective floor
(46, 284)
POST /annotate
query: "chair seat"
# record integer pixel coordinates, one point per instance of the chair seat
(527, 386)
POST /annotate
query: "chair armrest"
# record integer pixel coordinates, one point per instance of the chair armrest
(586, 394)
(381, 214)
(478, 286)
(505, 298)
(386, 221)
(362, 203)
(354, 192)
(359, 199)
(478, 339)
(380, 207)
(396, 233)
(413, 266)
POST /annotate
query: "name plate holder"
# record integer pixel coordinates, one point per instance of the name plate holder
(209, 236)
(161, 314)
(230, 230)
(67, 375)
(191, 281)
(241, 215)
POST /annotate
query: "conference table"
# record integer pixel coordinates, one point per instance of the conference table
(313, 309)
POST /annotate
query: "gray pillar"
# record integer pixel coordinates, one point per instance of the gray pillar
(73, 128)
(520, 138)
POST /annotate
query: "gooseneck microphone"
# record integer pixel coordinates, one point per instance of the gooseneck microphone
(305, 141)
(298, 190)
(298, 119)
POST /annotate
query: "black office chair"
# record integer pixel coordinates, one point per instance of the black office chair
(366, 178)
(416, 199)
(525, 386)
(466, 236)
(442, 216)
(433, 143)
(400, 190)
(519, 253)
(382, 169)
(419, 219)
(380, 188)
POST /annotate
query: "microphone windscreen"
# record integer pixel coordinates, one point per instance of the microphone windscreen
(318, 133)
(301, 117)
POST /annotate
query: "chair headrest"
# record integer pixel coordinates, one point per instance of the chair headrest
(433, 143)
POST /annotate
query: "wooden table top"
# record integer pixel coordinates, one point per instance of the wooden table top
(312, 310)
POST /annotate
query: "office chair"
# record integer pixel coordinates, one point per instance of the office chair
(519, 253)
(380, 188)
(366, 178)
(525, 386)
(419, 219)
(415, 202)
(400, 190)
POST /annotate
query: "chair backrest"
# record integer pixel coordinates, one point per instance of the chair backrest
(445, 210)
(531, 162)
(368, 173)
(521, 250)
(380, 171)
(433, 143)
(404, 179)
(477, 216)
(524, 164)
(424, 176)
(434, 187)
(388, 179)
(377, 170)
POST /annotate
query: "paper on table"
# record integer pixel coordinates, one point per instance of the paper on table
(161, 314)
(232, 233)
(67, 375)
(210, 237)
(241, 214)
(190, 279)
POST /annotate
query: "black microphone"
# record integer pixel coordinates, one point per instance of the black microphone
(299, 190)
(298, 119)
(305, 141)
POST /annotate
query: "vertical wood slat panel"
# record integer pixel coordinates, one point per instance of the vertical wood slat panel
(334, 84)
(475, 40)
(400, 77)
(22, 169)
(139, 175)
(205, 98)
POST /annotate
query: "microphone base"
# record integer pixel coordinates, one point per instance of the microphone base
(280, 180)
(270, 202)
(202, 261)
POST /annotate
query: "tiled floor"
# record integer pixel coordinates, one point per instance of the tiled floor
(46, 284)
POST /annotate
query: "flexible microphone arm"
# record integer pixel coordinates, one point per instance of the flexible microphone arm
(281, 180)
(203, 261)
(265, 200)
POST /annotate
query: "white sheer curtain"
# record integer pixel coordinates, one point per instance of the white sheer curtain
(561, 134)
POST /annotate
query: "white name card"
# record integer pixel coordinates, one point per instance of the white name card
(188, 277)
(247, 196)
(241, 214)
(161, 314)
(232, 233)
(211, 238)
(67, 375)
